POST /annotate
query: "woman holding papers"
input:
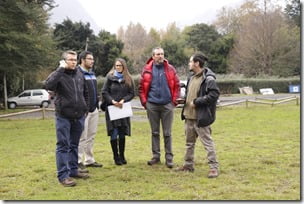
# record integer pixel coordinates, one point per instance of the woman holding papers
(117, 90)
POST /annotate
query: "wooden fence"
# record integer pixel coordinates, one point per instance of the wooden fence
(257, 100)
(266, 101)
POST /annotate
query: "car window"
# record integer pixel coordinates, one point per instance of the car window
(37, 93)
(25, 94)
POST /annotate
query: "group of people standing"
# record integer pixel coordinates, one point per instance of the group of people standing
(77, 110)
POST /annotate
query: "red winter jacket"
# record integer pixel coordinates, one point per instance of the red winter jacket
(146, 79)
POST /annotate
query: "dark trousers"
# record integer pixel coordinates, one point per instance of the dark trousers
(68, 135)
(161, 114)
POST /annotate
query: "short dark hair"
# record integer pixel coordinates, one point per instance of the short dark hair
(201, 58)
(83, 55)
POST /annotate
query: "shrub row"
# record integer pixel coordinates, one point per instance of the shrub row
(231, 86)
(278, 85)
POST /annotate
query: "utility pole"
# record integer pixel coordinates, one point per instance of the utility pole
(86, 46)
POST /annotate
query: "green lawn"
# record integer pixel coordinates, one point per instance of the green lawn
(258, 149)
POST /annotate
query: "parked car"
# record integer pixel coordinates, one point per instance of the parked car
(183, 84)
(33, 97)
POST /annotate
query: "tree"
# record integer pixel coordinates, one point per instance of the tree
(106, 49)
(25, 43)
(293, 11)
(266, 44)
(219, 53)
(230, 20)
(72, 35)
(174, 47)
(78, 36)
(201, 37)
(135, 41)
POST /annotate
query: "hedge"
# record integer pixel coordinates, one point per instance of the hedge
(278, 85)
(231, 86)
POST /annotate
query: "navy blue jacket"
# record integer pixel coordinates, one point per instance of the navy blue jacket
(91, 83)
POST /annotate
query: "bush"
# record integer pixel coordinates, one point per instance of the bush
(231, 86)
(278, 85)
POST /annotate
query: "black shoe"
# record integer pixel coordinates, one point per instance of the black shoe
(81, 166)
(123, 161)
(117, 161)
(169, 164)
(153, 161)
(95, 164)
(83, 170)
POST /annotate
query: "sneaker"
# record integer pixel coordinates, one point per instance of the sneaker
(68, 182)
(95, 164)
(169, 164)
(80, 175)
(184, 169)
(153, 161)
(213, 173)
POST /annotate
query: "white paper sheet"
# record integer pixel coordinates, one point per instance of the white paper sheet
(118, 113)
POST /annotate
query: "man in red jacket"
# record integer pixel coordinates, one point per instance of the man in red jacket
(158, 90)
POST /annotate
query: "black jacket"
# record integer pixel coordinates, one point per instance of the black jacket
(71, 92)
(206, 100)
(113, 89)
(91, 84)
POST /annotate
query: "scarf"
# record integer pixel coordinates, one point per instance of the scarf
(118, 75)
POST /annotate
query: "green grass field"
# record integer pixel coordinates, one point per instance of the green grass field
(258, 149)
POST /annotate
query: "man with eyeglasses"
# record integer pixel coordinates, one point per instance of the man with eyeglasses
(158, 90)
(71, 107)
(85, 149)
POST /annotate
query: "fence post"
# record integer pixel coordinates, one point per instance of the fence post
(43, 113)
(297, 100)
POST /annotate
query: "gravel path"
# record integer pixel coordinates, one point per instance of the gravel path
(137, 107)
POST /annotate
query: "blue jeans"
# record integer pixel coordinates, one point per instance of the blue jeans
(117, 134)
(68, 135)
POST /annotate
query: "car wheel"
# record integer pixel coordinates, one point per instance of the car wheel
(44, 104)
(12, 105)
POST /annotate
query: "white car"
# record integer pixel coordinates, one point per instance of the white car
(183, 84)
(33, 97)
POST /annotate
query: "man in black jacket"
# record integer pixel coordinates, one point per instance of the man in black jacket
(71, 107)
(199, 113)
(85, 149)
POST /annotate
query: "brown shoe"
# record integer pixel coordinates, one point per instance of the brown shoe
(213, 173)
(80, 175)
(68, 182)
(153, 161)
(184, 169)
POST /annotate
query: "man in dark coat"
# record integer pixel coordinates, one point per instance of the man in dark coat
(199, 113)
(71, 107)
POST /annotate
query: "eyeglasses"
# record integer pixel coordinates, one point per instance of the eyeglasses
(118, 65)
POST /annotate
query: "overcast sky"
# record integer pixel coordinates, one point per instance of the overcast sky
(112, 14)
